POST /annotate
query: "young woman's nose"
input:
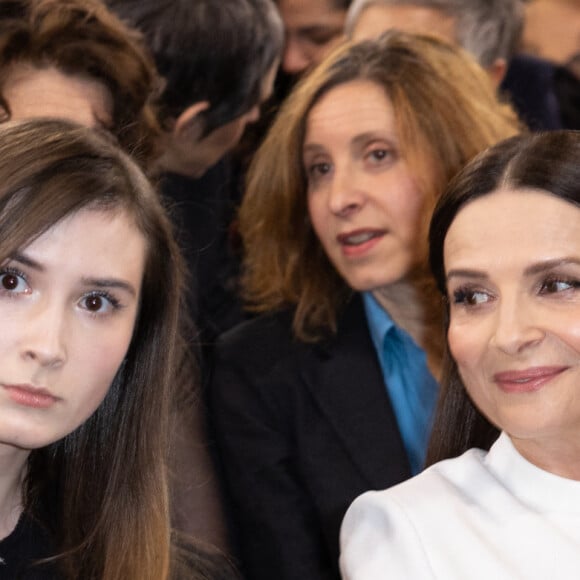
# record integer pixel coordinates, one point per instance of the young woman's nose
(516, 327)
(44, 335)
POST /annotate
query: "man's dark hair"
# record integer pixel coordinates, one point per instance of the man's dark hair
(208, 50)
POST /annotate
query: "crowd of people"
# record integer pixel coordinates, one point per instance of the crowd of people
(288, 289)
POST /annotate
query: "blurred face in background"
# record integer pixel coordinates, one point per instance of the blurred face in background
(47, 92)
(313, 28)
(375, 19)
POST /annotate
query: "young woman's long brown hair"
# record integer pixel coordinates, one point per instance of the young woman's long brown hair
(101, 492)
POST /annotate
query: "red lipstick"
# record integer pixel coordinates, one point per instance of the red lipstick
(29, 396)
(527, 380)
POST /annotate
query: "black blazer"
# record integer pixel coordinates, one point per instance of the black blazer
(302, 429)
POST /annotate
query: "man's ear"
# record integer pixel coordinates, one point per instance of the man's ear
(497, 71)
(188, 124)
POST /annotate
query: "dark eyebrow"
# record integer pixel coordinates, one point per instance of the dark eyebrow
(532, 270)
(319, 29)
(110, 283)
(26, 261)
(472, 274)
(550, 265)
(96, 282)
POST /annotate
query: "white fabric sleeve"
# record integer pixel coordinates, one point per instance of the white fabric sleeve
(379, 542)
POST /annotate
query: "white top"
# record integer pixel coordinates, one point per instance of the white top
(491, 516)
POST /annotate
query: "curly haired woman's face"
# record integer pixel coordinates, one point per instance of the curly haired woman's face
(68, 304)
(47, 92)
(363, 199)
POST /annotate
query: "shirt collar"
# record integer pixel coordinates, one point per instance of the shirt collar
(378, 319)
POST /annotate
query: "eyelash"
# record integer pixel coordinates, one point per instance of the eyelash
(462, 295)
(9, 271)
(572, 284)
(114, 302)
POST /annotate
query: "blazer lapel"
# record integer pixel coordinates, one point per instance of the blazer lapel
(348, 385)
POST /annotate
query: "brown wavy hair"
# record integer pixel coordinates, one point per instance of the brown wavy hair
(81, 37)
(446, 112)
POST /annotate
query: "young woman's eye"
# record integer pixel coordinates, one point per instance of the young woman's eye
(13, 282)
(468, 297)
(556, 285)
(99, 303)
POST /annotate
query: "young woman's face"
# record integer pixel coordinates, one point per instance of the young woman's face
(512, 261)
(364, 202)
(68, 303)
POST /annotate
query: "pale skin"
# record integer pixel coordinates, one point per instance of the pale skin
(515, 319)
(366, 207)
(68, 302)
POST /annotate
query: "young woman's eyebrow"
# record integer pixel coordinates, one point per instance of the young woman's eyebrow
(26, 261)
(110, 283)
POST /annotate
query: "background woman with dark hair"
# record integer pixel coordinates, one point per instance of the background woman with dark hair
(505, 251)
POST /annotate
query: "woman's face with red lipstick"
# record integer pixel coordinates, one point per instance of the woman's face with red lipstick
(512, 262)
(68, 304)
(364, 202)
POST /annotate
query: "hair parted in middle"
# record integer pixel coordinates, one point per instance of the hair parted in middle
(102, 490)
(548, 162)
(446, 112)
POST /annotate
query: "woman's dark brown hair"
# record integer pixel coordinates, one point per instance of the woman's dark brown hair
(548, 162)
(82, 38)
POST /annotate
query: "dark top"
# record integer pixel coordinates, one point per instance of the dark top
(302, 430)
(530, 83)
(28, 543)
(202, 211)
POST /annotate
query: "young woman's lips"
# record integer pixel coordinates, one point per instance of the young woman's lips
(527, 380)
(359, 242)
(29, 396)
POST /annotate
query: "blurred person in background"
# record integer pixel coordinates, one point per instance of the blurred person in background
(490, 31)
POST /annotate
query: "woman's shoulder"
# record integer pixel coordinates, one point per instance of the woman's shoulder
(429, 494)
